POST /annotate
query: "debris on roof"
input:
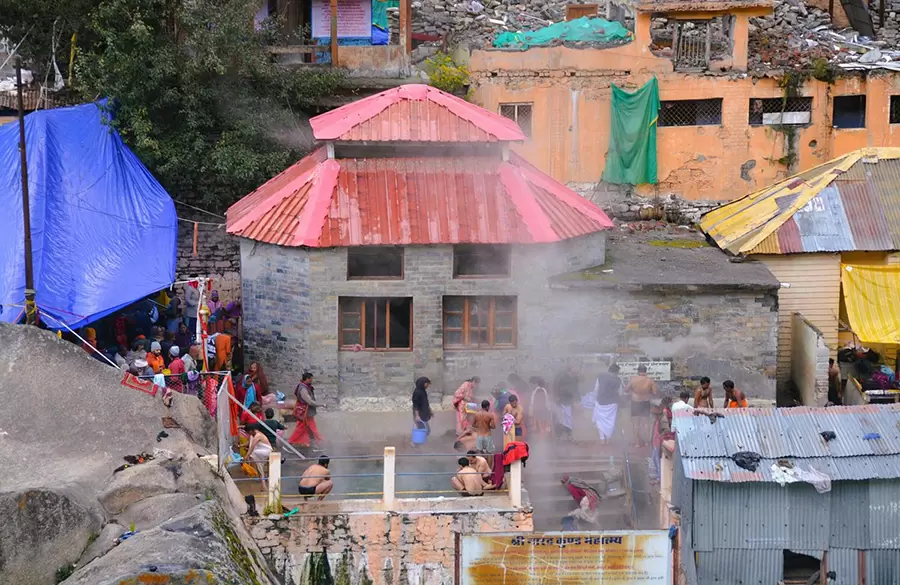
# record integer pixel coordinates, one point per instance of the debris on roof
(581, 32)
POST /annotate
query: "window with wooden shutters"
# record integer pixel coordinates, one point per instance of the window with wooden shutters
(479, 322)
(375, 323)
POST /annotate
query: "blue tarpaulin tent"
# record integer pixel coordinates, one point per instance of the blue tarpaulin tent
(103, 229)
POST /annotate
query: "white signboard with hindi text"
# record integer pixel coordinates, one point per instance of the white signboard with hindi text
(354, 19)
(661, 371)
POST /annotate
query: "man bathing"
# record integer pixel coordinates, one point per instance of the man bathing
(468, 481)
(316, 480)
(484, 424)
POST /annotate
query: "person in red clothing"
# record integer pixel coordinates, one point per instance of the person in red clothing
(176, 368)
(305, 413)
(255, 408)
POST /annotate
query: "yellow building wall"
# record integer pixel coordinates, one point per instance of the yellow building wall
(814, 292)
(570, 93)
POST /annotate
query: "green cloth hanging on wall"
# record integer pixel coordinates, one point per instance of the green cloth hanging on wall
(631, 158)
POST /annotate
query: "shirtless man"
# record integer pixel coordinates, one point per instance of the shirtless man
(518, 413)
(467, 481)
(466, 441)
(703, 397)
(484, 424)
(734, 398)
(642, 389)
(479, 464)
(316, 480)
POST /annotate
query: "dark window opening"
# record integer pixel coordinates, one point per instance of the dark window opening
(894, 116)
(691, 113)
(375, 323)
(520, 114)
(480, 260)
(799, 568)
(480, 322)
(780, 111)
(849, 111)
(374, 263)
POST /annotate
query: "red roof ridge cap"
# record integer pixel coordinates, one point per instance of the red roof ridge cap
(560, 191)
(315, 211)
(523, 198)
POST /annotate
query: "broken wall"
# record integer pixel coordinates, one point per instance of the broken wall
(374, 547)
(700, 165)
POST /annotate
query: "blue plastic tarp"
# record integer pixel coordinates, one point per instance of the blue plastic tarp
(104, 231)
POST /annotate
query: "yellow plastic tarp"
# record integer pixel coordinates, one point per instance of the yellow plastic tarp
(872, 298)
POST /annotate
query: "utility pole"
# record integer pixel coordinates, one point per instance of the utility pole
(30, 309)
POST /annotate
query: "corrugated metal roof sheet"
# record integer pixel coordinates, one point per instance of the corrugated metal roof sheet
(414, 113)
(322, 202)
(849, 524)
(794, 434)
(831, 209)
(845, 564)
(884, 515)
(883, 567)
(744, 567)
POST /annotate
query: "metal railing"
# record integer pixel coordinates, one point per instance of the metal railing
(692, 45)
(389, 495)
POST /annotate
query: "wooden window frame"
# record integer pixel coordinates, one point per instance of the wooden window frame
(863, 99)
(362, 324)
(508, 264)
(466, 329)
(373, 251)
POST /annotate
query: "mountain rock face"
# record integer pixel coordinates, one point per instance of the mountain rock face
(66, 424)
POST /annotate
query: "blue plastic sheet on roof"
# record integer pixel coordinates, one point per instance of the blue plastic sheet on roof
(104, 231)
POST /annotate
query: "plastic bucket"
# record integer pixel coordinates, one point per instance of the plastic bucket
(419, 436)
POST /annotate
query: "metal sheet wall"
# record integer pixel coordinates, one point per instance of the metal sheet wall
(884, 515)
(849, 525)
(810, 518)
(883, 567)
(751, 515)
(704, 515)
(746, 567)
(845, 564)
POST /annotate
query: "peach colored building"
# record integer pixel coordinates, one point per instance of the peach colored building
(717, 136)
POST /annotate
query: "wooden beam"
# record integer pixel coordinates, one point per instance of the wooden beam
(334, 33)
(405, 28)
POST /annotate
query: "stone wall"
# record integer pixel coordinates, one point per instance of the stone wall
(218, 257)
(722, 334)
(621, 202)
(370, 547)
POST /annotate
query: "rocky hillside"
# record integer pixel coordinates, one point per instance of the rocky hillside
(66, 425)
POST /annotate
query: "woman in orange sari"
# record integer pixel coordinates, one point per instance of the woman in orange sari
(463, 395)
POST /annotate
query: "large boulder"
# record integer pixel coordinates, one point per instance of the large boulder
(66, 425)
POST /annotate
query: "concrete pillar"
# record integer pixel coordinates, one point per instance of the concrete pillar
(390, 466)
(273, 500)
(515, 484)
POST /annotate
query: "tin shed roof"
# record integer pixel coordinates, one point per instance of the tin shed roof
(414, 113)
(848, 204)
(794, 434)
(322, 202)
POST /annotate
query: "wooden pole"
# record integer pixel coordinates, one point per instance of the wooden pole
(405, 28)
(30, 309)
(881, 14)
(334, 33)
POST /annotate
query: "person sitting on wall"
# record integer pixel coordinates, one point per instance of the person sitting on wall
(479, 464)
(468, 481)
(316, 480)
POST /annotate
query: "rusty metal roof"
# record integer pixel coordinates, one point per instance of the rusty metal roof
(793, 434)
(414, 113)
(849, 204)
(321, 202)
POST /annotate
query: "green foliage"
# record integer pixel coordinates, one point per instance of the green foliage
(195, 93)
(64, 572)
(446, 74)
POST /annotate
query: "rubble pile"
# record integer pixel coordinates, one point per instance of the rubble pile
(801, 37)
(476, 22)
(890, 31)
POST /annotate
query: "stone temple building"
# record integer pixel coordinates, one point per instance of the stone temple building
(413, 242)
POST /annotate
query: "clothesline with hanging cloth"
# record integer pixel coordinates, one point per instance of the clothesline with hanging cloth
(871, 296)
(631, 158)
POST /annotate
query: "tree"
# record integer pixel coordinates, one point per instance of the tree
(193, 91)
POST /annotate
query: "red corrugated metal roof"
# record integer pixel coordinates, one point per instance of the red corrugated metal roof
(414, 113)
(400, 201)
